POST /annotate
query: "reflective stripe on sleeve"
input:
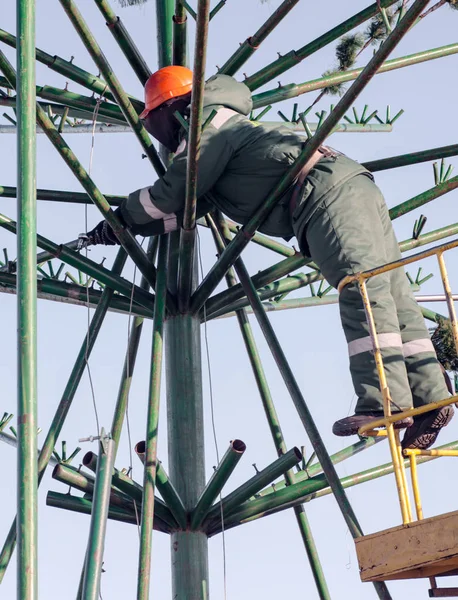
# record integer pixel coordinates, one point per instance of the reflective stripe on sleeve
(148, 206)
(417, 346)
(385, 340)
(170, 223)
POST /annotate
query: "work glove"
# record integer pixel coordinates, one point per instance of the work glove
(101, 234)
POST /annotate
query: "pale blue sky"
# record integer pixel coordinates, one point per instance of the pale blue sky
(265, 558)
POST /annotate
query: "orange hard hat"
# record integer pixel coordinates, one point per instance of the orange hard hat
(169, 82)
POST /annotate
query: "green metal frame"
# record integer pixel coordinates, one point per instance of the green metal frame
(189, 510)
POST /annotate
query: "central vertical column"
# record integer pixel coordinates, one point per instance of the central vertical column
(186, 451)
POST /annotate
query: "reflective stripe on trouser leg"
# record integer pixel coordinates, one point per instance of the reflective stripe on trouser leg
(425, 376)
(345, 235)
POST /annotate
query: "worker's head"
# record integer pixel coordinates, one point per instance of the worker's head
(166, 91)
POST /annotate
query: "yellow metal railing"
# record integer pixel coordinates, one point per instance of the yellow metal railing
(388, 420)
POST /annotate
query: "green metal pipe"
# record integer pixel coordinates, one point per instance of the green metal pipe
(261, 279)
(188, 235)
(59, 291)
(152, 425)
(185, 421)
(113, 83)
(99, 516)
(82, 107)
(27, 475)
(61, 196)
(310, 489)
(125, 42)
(232, 501)
(125, 237)
(88, 266)
(261, 240)
(250, 45)
(293, 90)
(240, 241)
(284, 63)
(165, 487)
(222, 233)
(164, 20)
(423, 198)
(66, 400)
(413, 158)
(67, 69)
(179, 34)
(130, 359)
(217, 481)
(429, 238)
(342, 127)
(277, 288)
(132, 489)
(302, 409)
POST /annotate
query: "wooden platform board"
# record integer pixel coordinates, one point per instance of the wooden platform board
(420, 549)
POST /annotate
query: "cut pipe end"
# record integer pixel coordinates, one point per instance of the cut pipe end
(140, 448)
(238, 446)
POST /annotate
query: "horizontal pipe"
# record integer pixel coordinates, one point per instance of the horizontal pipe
(305, 491)
(79, 295)
(293, 90)
(423, 198)
(217, 481)
(61, 196)
(166, 488)
(253, 485)
(87, 266)
(411, 158)
(84, 506)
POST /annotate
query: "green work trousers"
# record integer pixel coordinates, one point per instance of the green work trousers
(350, 231)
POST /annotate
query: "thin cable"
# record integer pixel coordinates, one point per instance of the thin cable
(86, 354)
(212, 411)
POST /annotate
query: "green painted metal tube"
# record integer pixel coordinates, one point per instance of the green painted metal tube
(164, 19)
(249, 46)
(188, 235)
(130, 359)
(132, 489)
(216, 482)
(261, 240)
(189, 549)
(61, 196)
(152, 425)
(66, 401)
(99, 516)
(429, 238)
(85, 105)
(113, 83)
(251, 487)
(413, 158)
(125, 42)
(423, 198)
(87, 266)
(165, 487)
(303, 411)
(283, 286)
(67, 69)
(293, 90)
(222, 233)
(261, 279)
(310, 489)
(125, 237)
(27, 475)
(284, 63)
(240, 241)
(60, 291)
(179, 34)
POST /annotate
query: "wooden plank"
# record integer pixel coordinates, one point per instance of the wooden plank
(420, 549)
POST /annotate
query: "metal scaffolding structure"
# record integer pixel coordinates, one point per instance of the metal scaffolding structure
(180, 503)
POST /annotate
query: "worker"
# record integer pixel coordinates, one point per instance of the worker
(334, 209)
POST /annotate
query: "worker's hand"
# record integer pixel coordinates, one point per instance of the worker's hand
(101, 234)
